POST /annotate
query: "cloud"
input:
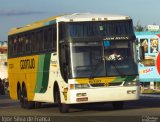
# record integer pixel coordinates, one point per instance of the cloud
(18, 12)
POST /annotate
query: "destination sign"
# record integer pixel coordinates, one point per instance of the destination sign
(118, 38)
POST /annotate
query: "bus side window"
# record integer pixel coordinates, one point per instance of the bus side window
(33, 41)
(45, 39)
(41, 40)
(28, 43)
(10, 44)
(54, 38)
(50, 42)
(15, 46)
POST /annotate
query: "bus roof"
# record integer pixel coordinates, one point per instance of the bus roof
(91, 17)
(68, 18)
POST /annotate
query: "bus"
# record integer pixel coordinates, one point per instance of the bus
(149, 69)
(65, 60)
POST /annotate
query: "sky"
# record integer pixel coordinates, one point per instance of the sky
(17, 13)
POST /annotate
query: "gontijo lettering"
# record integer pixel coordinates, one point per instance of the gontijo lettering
(27, 64)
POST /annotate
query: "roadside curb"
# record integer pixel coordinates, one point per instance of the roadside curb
(149, 95)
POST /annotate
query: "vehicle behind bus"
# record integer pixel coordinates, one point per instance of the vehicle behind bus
(149, 68)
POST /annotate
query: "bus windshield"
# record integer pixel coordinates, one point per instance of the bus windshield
(97, 60)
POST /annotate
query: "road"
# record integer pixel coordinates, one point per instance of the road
(148, 107)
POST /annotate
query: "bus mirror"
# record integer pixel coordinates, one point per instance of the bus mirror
(141, 53)
(54, 54)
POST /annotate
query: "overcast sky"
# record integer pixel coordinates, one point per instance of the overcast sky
(16, 13)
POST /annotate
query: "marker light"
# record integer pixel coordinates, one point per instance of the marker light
(79, 86)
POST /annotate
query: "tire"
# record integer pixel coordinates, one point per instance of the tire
(63, 108)
(118, 105)
(37, 104)
(27, 104)
(20, 97)
(30, 105)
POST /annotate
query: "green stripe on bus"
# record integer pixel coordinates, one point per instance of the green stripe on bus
(42, 73)
(121, 79)
(46, 67)
(39, 73)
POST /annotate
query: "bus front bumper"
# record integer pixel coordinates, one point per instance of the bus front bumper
(103, 94)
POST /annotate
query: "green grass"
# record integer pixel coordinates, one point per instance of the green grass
(150, 91)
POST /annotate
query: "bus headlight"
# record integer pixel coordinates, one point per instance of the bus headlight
(79, 86)
(131, 91)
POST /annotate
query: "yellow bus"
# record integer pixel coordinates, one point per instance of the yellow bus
(68, 59)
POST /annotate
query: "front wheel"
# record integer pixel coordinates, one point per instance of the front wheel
(37, 104)
(118, 105)
(63, 108)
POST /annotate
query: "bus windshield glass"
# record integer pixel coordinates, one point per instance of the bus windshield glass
(120, 58)
(86, 58)
(100, 60)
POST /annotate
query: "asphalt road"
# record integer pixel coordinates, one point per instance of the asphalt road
(147, 109)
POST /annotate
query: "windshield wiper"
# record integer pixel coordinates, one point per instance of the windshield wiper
(96, 66)
(115, 66)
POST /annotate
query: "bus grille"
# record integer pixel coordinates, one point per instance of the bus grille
(105, 84)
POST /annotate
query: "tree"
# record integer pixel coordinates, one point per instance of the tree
(139, 27)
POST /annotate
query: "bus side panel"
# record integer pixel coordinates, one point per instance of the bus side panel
(12, 74)
(43, 73)
(12, 85)
(31, 76)
(22, 70)
(54, 76)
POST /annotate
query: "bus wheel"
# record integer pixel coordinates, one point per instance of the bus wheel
(64, 108)
(20, 97)
(37, 104)
(27, 104)
(118, 105)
